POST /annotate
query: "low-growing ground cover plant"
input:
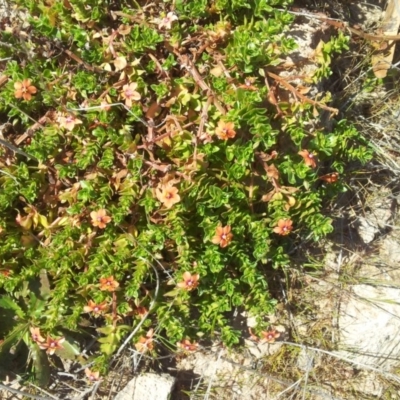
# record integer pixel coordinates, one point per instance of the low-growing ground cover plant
(153, 173)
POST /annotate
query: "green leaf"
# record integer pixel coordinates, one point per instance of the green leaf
(70, 348)
(9, 304)
(41, 365)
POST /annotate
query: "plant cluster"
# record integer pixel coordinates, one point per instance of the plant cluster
(155, 175)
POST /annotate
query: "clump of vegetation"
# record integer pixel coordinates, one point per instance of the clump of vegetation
(152, 175)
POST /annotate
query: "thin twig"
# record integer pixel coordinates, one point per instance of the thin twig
(10, 46)
(16, 149)
(21, 393)
(343, 358)
(214, 375)
(95, 389)
(9, 175)
(191, 68)
(294, 385)
(42, 390)
(280, 381)
(309, 366)
(297, 94)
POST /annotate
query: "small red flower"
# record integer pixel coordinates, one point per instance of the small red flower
(168, 195)
(269, 336)
(24, 90)
(93, 376)
(36, 335)
(285, 226)
(309, 158)
(225, 130)
(100, 218)
(253, 336)
(109, 284)
(189, 282)
(223, 236)
(130, 94)
(51, 345)
(96, 309)
(248, 84)
(145, 342)
(186, 345)
(167, 21)
(141, 311)
(330, 178)
(68, 122)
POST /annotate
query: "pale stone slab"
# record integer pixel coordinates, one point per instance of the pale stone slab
(147, 387)
(369, 326)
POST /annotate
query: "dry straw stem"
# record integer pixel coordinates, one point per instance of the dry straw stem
(283, 382)
(297, 94)
(342, 25)
(384, 373)
(25, 394)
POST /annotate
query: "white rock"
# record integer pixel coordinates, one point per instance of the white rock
(147, 386)
(305, 360)
(368, 383)
(374, 221)
(369, 326)
(390, 251)
(207, 365)
(260, 350)
(226, 378)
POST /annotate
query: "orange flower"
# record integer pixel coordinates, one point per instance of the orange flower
(130, 94)
(105, 106)
(269, 336)
(330, 178)
(51, 345)
(24, 89)
(285, 226)
(92, 376)
(36, 335)
(253, 336)
(189, 282)
(109, 284)
(141, 311)
(96, 309)
(168, 195)
(248, 84)
(309, 158)
(223, 236)
(225, 130)
(68, 122)
(187, 345)
(100, 218)
(145, 342)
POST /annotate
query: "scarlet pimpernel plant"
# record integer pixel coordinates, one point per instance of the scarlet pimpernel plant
(223, 236)
(24, 90)
(152, 176)
(100, 218)
(189, 281)
(225, 130)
